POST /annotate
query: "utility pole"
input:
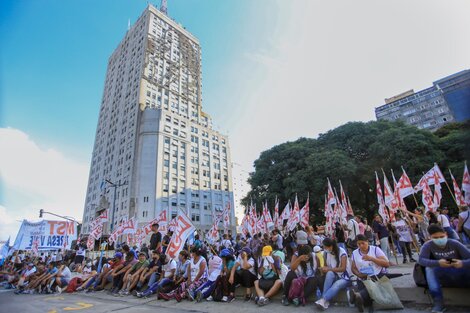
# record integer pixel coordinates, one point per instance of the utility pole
(114, 200)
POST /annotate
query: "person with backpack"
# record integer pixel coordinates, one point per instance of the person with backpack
(337, 272)
(244, 272)
(302, 279)
(221, 292)
(270, 271)
(366, 261)
(446, 262)
(353, 231)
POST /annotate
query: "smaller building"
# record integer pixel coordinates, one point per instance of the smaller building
(448, 100)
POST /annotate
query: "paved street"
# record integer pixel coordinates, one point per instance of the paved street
(102, 302)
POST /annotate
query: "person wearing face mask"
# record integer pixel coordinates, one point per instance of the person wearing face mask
(446, 262)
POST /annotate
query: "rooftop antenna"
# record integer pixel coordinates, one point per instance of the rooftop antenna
(164, 7)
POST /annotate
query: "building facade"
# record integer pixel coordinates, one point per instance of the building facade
(448, 100)
(154, 144)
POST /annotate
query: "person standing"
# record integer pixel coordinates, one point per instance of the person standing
(404, 236)
(382, 234)
(444, 222)
(156, 239)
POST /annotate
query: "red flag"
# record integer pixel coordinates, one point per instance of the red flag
(458, 194)
(431, 177)
(437, 191)
(344, 201)
(304, 214)
(294, 216)
(183, 229)
(389, 196)
(427, 196)
(226, 216)
(276, 214)
(380, 199)
(331, 195)
(404, 185)
(350, 209)
(466, 184)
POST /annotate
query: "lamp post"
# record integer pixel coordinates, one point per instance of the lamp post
(41, 213)
(114, 185)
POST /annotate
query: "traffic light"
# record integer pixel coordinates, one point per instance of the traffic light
(40, 213)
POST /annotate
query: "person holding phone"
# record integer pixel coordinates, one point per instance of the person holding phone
(446, 262)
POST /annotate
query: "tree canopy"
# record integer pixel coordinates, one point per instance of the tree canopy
(353, 153)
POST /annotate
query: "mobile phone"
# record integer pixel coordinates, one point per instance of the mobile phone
(449, 260)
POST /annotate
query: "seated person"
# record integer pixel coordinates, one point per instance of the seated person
(197, 274)
(336, 270)
(273, 272)
(150, 274)
(118, 275)
(132, 275)
(180, 279)
(215, 268)
(366, 261)
(48, 280)
(243, 273)
(446, 262)
(167, 275)
(303, 269)
(63, 277)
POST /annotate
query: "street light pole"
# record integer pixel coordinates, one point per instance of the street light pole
(114, 200)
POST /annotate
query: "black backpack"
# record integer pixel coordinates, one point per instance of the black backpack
(218, 292)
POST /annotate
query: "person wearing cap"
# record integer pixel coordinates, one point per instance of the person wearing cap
(270, 271)
(133, 274)
(166, 278)
(319, 253)
(99, 281)
(151, 273)
(215, 269)
(243, 273)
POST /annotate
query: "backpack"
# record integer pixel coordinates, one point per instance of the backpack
(73, 284)
(220, 289)
(297, 290)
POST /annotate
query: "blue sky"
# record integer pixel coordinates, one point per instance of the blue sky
(273, 71)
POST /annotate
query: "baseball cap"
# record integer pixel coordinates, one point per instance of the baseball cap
(301, 238)
(118, 255)
(30, 264)
(316, 249)
(247, 250)
(267, 250)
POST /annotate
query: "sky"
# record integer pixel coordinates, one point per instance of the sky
(273, 71)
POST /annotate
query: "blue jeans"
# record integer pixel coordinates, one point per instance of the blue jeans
(156, 286)
(446, 277)
(332, 285)
(385, 247)
(207, 288)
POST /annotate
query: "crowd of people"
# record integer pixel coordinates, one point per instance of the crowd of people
(303, 265)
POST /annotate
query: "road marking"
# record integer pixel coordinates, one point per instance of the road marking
(53, 298)
(52, 311)
(82, 305)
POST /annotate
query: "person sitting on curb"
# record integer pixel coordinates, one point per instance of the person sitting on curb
(366, 261)
(446, 262)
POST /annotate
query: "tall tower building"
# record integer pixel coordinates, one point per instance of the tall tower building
(154, 144)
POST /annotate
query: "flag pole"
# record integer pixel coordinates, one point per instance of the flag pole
(414, 197)
(448, 187)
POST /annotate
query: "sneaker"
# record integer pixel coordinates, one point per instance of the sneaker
(405, 261)
(209, 298)
(98, 288)
(126, 292)
(263, 301)
(58, 289)
(438, 307)
(296, 301)
(199, 296)
(256, 299)
(178, 297)
(230, 299)
(224, 299)
(79, 288)
(412, 260)
(163, 296)
(247, 298)
(89, 290)
(322, 304)
(138, 294)
(285, 301)
(190, 295)
(359, 302)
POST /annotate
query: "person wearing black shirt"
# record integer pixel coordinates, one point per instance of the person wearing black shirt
(156, 239)
(382, 234)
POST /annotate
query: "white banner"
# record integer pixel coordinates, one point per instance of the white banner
(45, 235)
(183, 229)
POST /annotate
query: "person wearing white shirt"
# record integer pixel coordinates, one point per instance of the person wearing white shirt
(366, 261)
(337, 272)
(464, 221)
(444, 221)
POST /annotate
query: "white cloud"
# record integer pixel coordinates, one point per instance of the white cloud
(51, 181)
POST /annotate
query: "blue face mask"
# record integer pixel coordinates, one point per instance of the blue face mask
(440, 241)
